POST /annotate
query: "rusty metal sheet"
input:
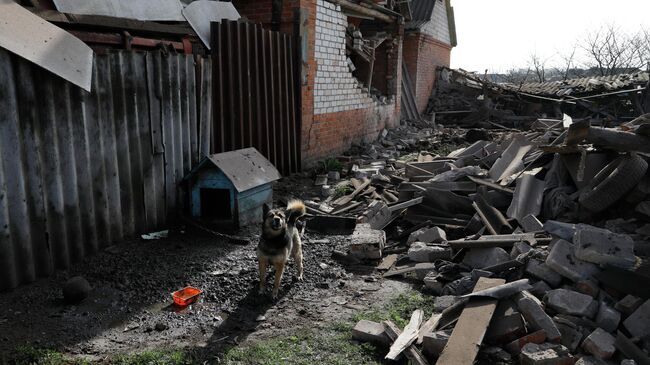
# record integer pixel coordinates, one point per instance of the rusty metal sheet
(160, 10)
(246, 168)
(44, 44)
(201, 13)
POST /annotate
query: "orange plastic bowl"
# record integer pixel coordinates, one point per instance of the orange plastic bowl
(186, 296)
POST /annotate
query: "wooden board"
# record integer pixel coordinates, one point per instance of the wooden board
(387, 262)
(407, 337)
(412, 353)
(466, 339)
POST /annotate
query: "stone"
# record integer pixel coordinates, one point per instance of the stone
(571, 302)
(540, 289)
(478, 258)
(369, 331)
(434, 343)
(420, 252)
(628, 362)
(601, 246)
(366, 242)
(431, 282)
(505, 328)
(608, 318)
(542, 271)
(588, 287)
(563, 261)
(423, 269)
(561, 230)
(590, 360)
(571, 336)
(545, 354)
(536, 317)
(600, 344)
(530, 223)
(443, 302)
(515, 346)
(334, 176)
(428, 235)
(638, 322)
(75, 290)
(518, 248)
(628, 304)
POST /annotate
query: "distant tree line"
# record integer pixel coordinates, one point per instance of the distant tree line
(604, 52)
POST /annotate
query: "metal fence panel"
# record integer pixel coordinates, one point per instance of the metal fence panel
(81, 170)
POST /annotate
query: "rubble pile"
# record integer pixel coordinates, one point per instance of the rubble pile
(535, 243)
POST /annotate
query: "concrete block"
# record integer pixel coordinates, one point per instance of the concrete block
(600, 344)
(590, 360)
(638, 323)
(434, 343)
(432, 284)
(368, 331)
(571, 336)
(530, 223)
(562, 230)
(367, 243)
(545, 354)
(537, 318)
(564, 262)
(540, 289)
(506, 328)
(628, 304)
(420, 252)
(478, 258)
(604, 247)
(443, 302)
(608, 318)
(518, 248)
(515, 346)
(542, 271)
(428, 235)
(588, 287)
(571, 302)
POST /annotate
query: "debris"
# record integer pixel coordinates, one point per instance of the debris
(464, 342)
(366, 242)
(515, 346)
(571, 302)
(407, 337)
(563, 260)
(421, 252)
(608, 318)
(637, 323)
(628, 304)
(484, 257)
(601, 246)
(411, 352)
(600, 344)
(155, 235)
(434, 343)
(501, 291)
(368, 331)
(428, 235)
(535, 315)
(545, 354)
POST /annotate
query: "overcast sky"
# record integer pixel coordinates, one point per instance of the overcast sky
(502, 34)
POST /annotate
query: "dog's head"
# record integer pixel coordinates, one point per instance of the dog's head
(275, 221)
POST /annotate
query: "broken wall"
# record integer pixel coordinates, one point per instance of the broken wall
(343, 111)
(80, 171)
(422, 55)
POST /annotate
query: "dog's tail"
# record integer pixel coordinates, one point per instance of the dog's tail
(295, 210)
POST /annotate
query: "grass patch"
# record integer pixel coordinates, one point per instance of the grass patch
(332, 344)
(26, 355)
(399, 309)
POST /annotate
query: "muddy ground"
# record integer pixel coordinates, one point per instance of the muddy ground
(130, 308)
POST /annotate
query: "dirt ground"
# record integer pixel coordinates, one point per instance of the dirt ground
(130, 307)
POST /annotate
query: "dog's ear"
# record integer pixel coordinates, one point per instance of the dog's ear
(266, 208)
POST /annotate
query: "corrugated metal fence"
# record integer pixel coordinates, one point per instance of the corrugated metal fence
(256, 92)
(79, 170)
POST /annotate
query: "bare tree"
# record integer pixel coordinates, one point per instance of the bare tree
(568, 63)
(611, 51)
(539, 66)
(517, 76)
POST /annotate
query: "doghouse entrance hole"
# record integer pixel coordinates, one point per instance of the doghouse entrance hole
(215, 203)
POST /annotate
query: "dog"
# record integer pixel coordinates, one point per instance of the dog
(280, 239)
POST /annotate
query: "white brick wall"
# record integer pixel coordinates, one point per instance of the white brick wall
(335, 88)
(438, 27)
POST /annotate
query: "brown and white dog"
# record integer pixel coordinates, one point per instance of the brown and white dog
(280, 240)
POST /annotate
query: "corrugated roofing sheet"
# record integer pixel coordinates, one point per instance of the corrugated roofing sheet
(421, 11)
(584, 85)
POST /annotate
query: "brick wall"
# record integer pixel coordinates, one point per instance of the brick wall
(422, 55)
(438, 27)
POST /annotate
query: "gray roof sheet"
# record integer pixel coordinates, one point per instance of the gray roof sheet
(246, 168)
(585, 85)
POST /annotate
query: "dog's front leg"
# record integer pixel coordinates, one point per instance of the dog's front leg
(279, 270)
(264, 262)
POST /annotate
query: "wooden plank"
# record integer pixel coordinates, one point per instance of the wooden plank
(429, 326)
(407, 337)
(492, 185)
(466, 339)
(412, 353)
(406, 204)
(387, 262)
(348, 198)
(407, 269)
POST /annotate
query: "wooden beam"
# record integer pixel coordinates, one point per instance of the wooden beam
(412, 353)
(407, 337)
(466, 339)
(363, 10)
